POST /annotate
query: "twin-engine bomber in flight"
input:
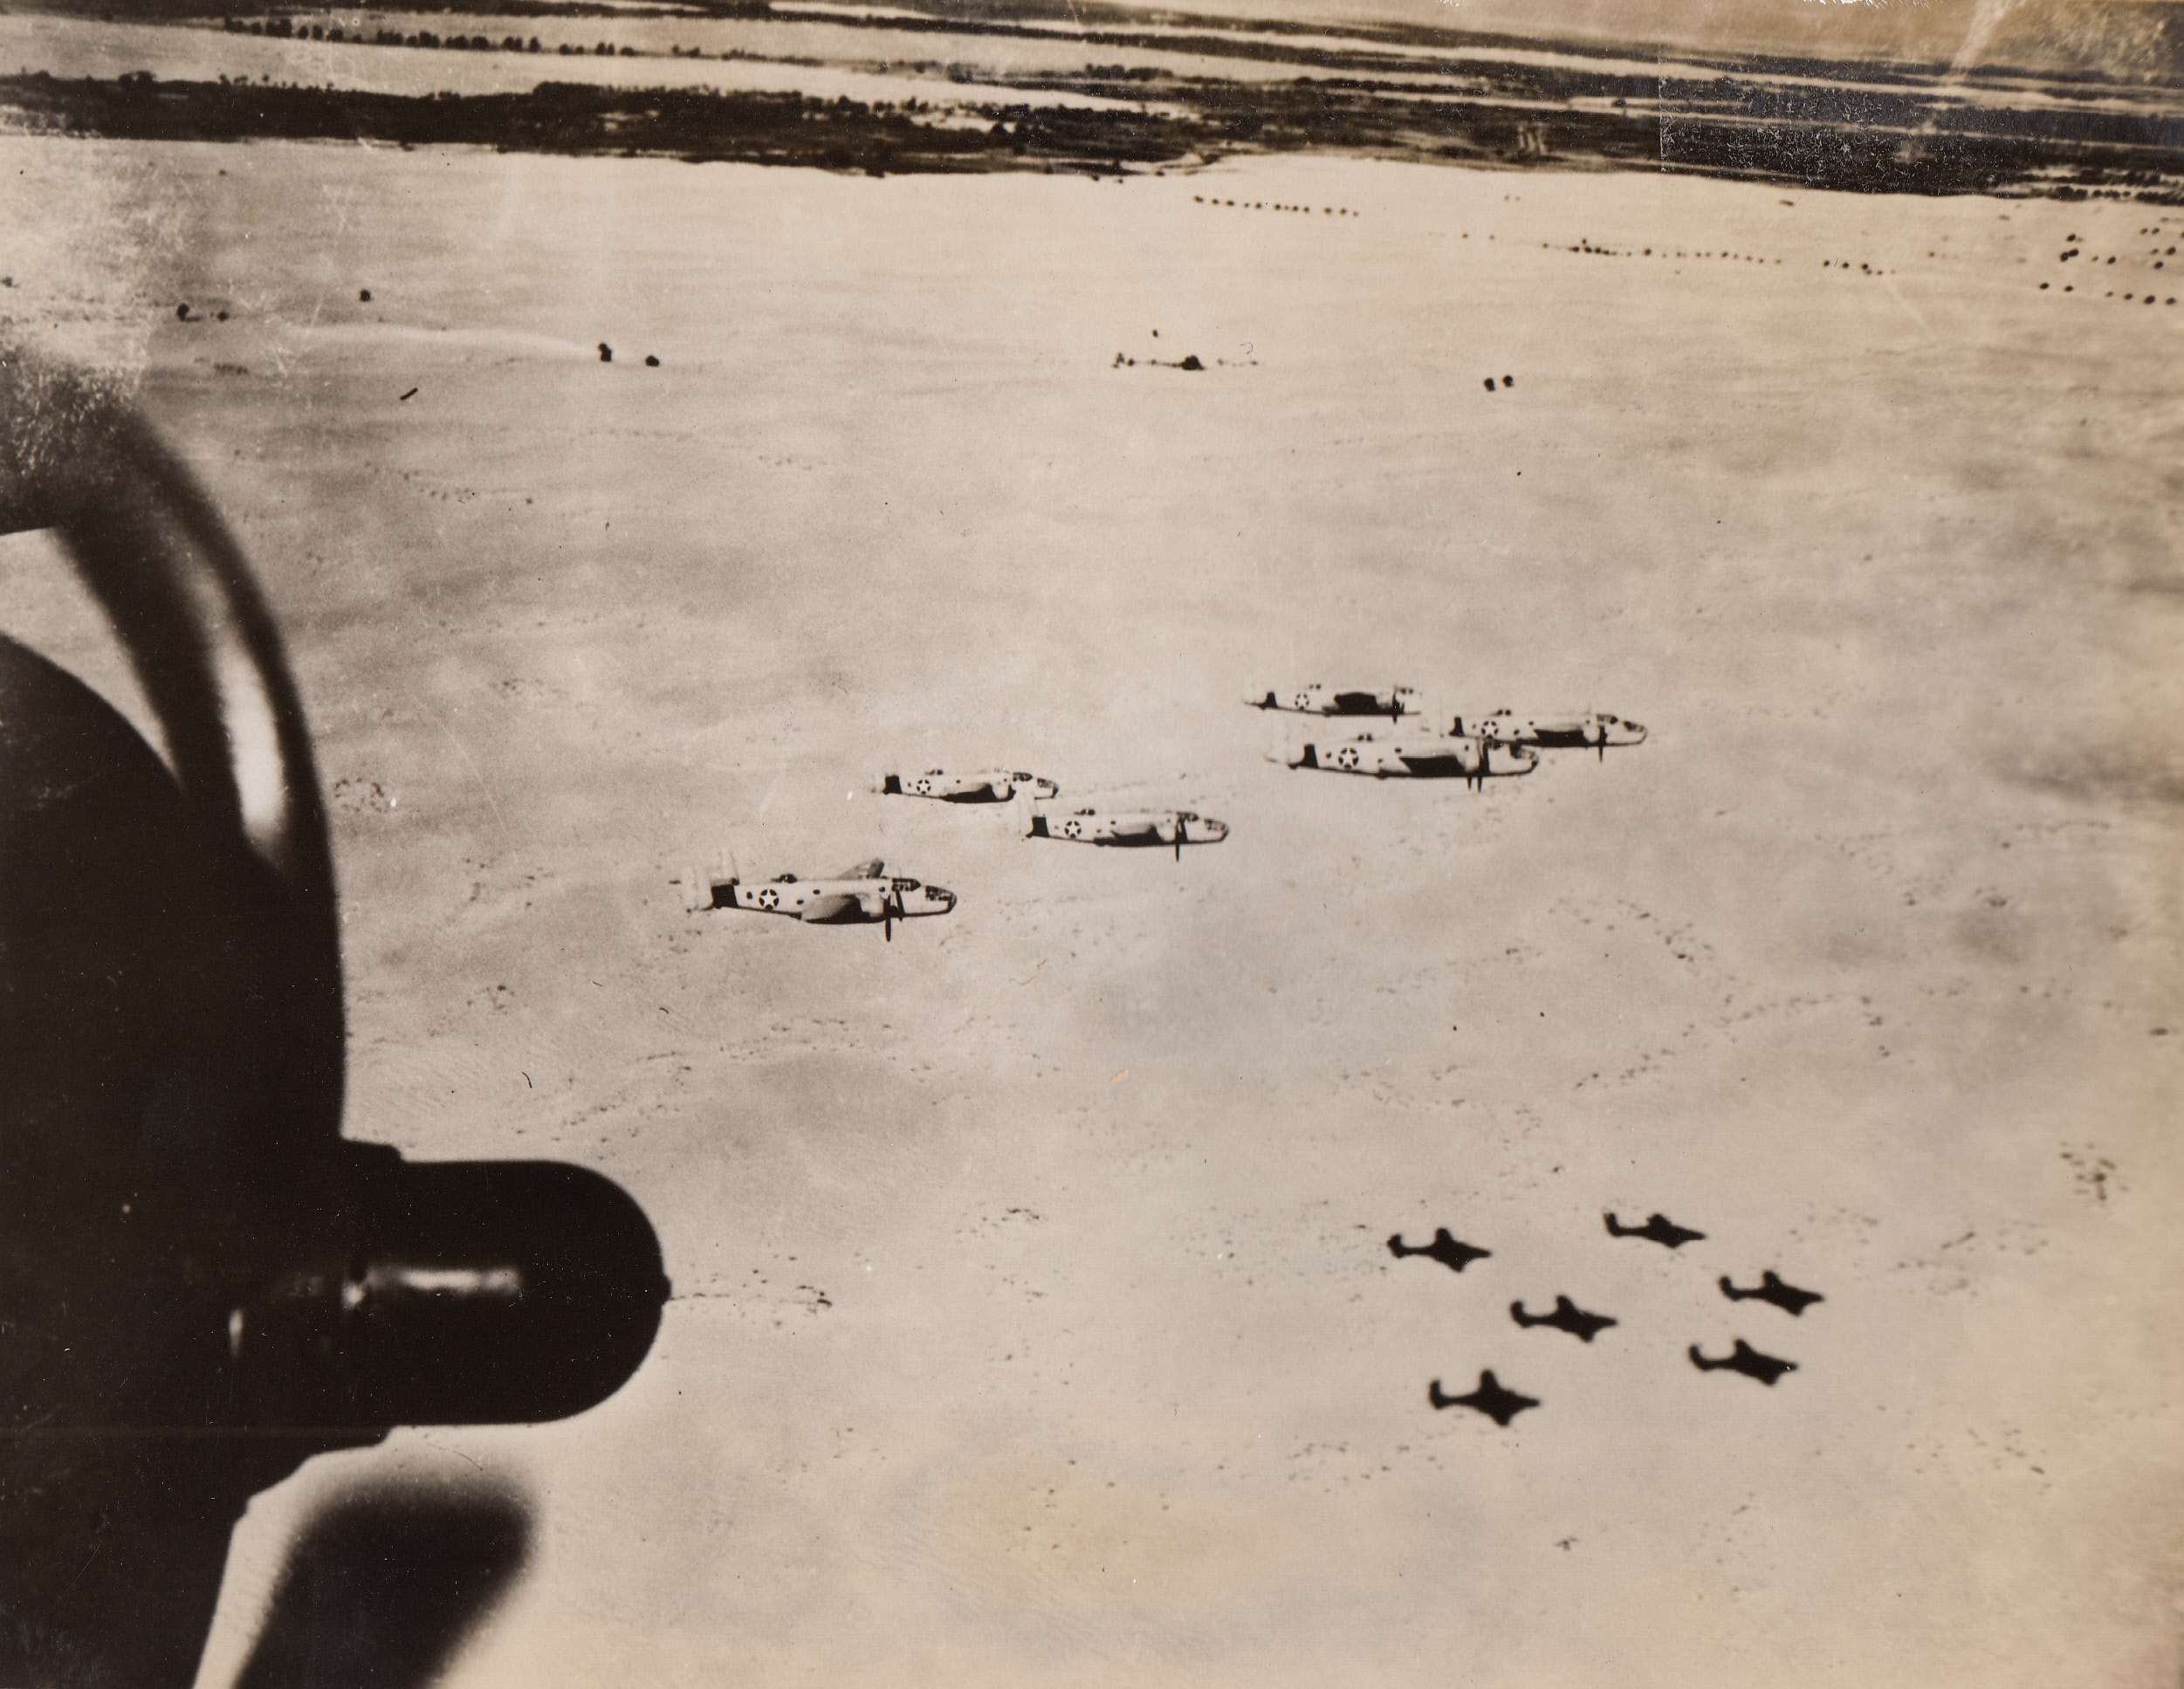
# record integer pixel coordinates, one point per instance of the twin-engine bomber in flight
(985, 786)
(1177, 828)
(1425, 757)
(1472, 748)
(859, 897)
(1593, 727)
(1317, 700)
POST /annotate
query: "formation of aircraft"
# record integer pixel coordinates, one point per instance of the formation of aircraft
(1170, 828)
(1435, 746)
(1502, 1404)
(1495, 746)
(861, 896)
(1426, 756)
(985, 786)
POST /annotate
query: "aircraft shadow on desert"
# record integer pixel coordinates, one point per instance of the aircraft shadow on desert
(1447, 1248)
(1567, 1316)
(1492, 1398)
(1501, 1405)
(1745, 1359)
(864, 895)
(1658, 1228)
(1788, 1297)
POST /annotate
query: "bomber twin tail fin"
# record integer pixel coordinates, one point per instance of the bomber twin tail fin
(1025, 821)
(701, 889)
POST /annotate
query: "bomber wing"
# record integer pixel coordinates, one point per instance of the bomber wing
(833, 907)
(1449, 758)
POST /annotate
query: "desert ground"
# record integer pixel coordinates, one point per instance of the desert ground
(1032, 1321)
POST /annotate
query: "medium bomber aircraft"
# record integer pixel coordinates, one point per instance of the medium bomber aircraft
(1592, 727)
(1317, 700)
(986, 785)
(858, 895)
(1131, 826)
(1425, 757)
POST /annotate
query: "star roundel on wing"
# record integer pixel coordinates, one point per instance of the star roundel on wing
(1304, 701)
(1347, 757)
(922, 786)
(1072, 828)
(769, 898)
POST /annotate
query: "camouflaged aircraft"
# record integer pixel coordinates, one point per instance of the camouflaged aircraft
(1175, 828)
(986, 785)
(1317, 700)
(1423, 756)
(1594, 728)
(858, 896)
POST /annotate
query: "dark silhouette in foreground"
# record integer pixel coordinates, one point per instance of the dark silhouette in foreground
(1446, 1248)
(1658, 1228)
(1567, 1316)
(1499, 1405)
(204, 1281)
(1787, 1297)
(1745, 1359)
(383, 1588)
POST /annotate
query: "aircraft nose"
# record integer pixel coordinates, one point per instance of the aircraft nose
(941, 896)
(1212, 828)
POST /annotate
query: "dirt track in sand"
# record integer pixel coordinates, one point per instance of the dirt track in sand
(1856, 965)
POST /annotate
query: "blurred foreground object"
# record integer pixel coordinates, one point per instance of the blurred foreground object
(201, 1283)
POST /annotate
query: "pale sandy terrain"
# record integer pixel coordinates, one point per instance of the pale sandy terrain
(1032, 1321)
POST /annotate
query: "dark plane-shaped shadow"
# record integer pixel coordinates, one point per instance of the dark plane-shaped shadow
(1446, 1248)
(1658, 1228)
(1745, 1359)
(1567, 1316)
(384, 1587)
(1490, 1398)
(1787, 1297)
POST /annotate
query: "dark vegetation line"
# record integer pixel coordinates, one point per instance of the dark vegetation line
(1874, 144)
(1095, 22)
(1217, 38)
